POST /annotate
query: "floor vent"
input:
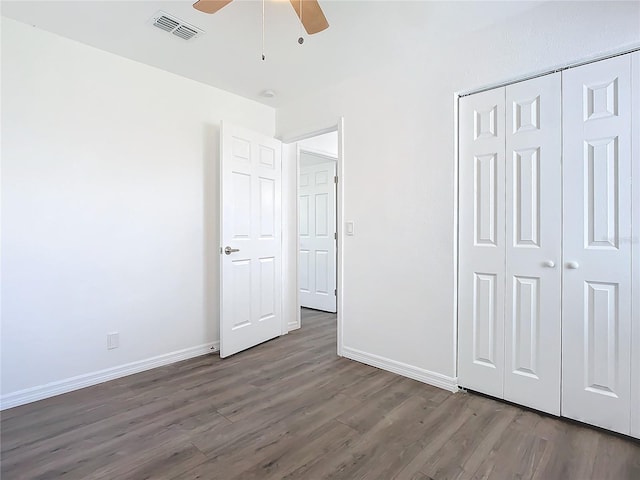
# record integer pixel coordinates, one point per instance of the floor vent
(175, 26)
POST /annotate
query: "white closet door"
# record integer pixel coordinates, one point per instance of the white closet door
(482, 243)
(635, 350)
(533, 243)
(596, 331)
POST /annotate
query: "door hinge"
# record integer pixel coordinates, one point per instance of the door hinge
(335, 293)
(335, 179)
(335, 236)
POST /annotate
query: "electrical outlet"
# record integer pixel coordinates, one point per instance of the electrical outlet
(113, 340)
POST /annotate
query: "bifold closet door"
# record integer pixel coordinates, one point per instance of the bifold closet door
(596, 328)
(533, 243)
(482, 242)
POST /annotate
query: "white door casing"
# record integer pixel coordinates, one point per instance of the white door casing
(596, 328)
(635, 255)
(317, 227)
(250, 219)
(482, 242)
(533, 243)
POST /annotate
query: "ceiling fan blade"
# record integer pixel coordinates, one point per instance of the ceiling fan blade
(311, 16)
(210, 6)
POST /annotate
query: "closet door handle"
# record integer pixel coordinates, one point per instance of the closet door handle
(549, 264)
(573, 265)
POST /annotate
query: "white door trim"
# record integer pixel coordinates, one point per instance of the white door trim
(635, 251)
(316, 152)
(556, 68)
(286, 224)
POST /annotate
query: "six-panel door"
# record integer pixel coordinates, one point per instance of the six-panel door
(533, 243)
(317, 227)
(251, 273)
(482, 243)
(596, 316)
(563, 319)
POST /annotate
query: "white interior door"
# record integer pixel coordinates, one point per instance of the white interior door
(533, 243)
(317, 227)
(482, 242)
(251, 239)
(596, 332)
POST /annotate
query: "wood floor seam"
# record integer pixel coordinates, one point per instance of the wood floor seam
(291, 409)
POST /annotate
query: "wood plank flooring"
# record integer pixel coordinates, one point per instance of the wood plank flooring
(292, 409)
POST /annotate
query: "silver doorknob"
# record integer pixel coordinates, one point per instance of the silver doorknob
(573, 265)
(228, 250)
(549, 264)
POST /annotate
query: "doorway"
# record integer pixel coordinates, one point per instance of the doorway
(317, 226)
(314, 161)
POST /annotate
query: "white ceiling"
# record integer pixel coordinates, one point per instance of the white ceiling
(362, 34)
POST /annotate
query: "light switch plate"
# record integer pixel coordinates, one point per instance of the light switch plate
(349, 228)
(113, 340)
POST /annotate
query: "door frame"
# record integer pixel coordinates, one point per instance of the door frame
(288, 324)
(635, 248)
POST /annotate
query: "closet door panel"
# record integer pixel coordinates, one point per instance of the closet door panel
(482, 243)
(596, 330)
(533, 243)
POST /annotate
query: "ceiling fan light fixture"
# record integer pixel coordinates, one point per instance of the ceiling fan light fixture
(309, 12)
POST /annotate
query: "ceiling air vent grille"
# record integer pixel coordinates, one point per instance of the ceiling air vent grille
(185, 32)
(175, 26)
(165, 23)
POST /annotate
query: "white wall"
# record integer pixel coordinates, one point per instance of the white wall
(326, 143)
(399, 167)
(109, 210)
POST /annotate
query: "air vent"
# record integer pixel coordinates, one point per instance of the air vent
(165, 23)
(185, 32)
(175, 26)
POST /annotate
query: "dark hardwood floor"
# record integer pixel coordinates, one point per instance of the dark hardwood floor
(291, 409)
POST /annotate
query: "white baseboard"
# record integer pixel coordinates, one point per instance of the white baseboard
(406, 370)
(52, 389)
(293, 326)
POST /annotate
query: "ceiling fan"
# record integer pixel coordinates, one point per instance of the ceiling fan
(309, 12)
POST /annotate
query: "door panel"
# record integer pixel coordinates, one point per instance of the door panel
(486, 201)
(322, 271)
(485, 319)
(596, 330)
(267, 208)
(317, 255)
(533, 243)
(240, 274)
(305, 282)
(250, 309)
(482, 243)
(526, 325)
